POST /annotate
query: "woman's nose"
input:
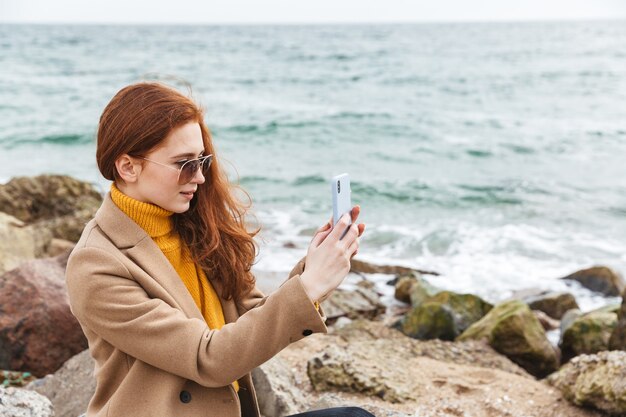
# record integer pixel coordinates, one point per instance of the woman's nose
(198, 177)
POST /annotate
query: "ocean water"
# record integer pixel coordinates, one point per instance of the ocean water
(490, 153)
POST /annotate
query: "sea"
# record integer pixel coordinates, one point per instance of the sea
(491, 153)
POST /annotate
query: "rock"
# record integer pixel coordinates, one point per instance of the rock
(369, 268)
(18, 402)
(436, 388)
(600, 279)
(470, 352)
(547, 322)
(37, 329)
(404, 285)
(554, 304)
(512, 329)
(59, 203)
(422, 291)
(71, 387)
(444, 315)
(430, 320)
(597, 380)
(589, 333)
(618, 337)
(360, 302)
(276, 389)
(19, 242)
(59, 246)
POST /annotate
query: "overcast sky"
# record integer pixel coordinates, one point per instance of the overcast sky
(303, 11)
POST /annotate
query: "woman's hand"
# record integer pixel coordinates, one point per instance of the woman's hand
(328, 258)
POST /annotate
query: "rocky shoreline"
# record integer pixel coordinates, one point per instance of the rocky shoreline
(436, 353)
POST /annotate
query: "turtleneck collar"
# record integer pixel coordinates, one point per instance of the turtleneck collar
(156, 221)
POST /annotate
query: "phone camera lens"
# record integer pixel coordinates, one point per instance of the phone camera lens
(338, 187)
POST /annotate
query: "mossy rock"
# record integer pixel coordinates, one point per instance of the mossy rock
(513, 330)
(589, 333)
(444, 315)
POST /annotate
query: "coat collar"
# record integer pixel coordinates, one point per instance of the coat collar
(135, 243)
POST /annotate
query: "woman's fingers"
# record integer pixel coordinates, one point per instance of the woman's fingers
(321, 234)
(361, 229)
(354, 213)
(353, 248)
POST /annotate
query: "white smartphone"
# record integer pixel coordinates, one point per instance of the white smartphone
(342, 204)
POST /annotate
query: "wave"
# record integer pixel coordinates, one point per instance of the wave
(70, 139)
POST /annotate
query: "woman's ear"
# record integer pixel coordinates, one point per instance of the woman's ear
(127, 168)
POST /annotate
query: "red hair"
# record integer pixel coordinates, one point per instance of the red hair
(136, 120)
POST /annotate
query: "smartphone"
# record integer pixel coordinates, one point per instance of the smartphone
(340, 189)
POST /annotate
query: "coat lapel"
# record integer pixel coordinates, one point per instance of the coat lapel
(141, 249)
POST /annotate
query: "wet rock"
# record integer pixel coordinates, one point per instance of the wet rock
(38, 332)
(71, 387)
(513, 330)
(18, 402)
(589, 333)
(618, 337)
(597, 380)
(554, 304)
(600, 279)
(59, 203)
(20, 242)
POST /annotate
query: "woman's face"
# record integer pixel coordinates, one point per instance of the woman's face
(158, 184)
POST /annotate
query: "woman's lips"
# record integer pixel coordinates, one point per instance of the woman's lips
(188, 194)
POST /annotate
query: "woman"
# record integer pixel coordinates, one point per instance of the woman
(160, 280)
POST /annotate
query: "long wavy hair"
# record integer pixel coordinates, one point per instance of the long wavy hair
(136, 120)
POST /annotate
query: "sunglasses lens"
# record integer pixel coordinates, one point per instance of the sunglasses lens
(191, 167)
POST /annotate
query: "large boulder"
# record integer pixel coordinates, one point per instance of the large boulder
(618, 337)
(513, 330)
(363, 267)
(18, 402)
(597, 380)
(370, 370)
(71, 387)
(600, 279)
(59, 203)
(20, 242)
(38, 332)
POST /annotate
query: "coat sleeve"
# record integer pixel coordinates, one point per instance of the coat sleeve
(256, 298)
(106, 299)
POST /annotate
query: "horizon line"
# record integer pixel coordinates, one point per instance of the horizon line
(315, 23)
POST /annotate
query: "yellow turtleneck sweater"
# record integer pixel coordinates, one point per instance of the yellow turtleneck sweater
(158, 224)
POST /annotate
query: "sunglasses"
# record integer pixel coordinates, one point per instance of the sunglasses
(188, 169)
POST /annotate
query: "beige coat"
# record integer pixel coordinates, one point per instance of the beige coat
(154, 353)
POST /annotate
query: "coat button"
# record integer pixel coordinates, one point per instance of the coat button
(185, 396)
(307, 332)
